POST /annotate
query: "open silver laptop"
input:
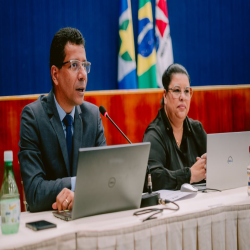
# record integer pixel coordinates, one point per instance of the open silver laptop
(109, 179)
(227, 160)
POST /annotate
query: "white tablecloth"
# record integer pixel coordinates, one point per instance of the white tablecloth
(216, 220)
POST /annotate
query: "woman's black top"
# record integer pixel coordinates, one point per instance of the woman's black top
(170, 165)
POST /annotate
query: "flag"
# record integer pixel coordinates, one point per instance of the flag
(146, 58)
(164, 51)
(126, 57)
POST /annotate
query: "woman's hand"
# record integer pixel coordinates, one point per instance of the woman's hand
(204, 156)
(64, 200)
(198, 170)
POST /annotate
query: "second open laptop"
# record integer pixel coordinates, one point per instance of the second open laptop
(109, 179)
(227, 160)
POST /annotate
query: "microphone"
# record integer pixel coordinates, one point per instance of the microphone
(105, 114)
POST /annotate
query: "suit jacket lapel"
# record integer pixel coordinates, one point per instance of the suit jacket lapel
(57, 125)
(77, 140)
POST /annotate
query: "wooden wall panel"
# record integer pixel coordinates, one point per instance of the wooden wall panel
(130, 110)
(220, 109)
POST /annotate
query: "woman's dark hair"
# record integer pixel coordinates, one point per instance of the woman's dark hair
(170, 71)
(61, 38)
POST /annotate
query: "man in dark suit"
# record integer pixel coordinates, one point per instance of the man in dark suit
(55, 126)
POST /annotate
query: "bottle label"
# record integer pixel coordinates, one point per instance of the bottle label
(10, 211)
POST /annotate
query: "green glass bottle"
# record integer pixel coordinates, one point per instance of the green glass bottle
(9, 198)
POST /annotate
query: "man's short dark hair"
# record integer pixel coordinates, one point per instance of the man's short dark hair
(61, 38)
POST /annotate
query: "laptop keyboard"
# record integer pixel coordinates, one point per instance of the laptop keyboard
(64, 214)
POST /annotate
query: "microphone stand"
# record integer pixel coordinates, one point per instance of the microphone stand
(118, 129)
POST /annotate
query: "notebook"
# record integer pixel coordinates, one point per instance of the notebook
(227, 160)
(109, 179)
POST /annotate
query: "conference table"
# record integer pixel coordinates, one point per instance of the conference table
(213, 220)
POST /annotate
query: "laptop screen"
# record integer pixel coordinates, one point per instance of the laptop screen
(227, 160)
(109, 179)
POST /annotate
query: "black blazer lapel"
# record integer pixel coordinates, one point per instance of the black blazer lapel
(57, 125)
(77, 138)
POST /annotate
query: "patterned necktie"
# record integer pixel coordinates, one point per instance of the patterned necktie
(68, 121)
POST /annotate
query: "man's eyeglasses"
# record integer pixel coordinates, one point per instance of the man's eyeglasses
(76, 65)
(176, 92)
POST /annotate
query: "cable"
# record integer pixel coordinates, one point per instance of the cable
(156, 210)
(207, 189)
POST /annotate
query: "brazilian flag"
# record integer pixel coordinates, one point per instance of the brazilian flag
(146, 58)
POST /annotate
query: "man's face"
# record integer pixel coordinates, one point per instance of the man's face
(70, 85)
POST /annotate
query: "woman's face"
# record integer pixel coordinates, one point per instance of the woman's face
(177, 98)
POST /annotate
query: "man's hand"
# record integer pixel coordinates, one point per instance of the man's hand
(198, 170)
(64, 200)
